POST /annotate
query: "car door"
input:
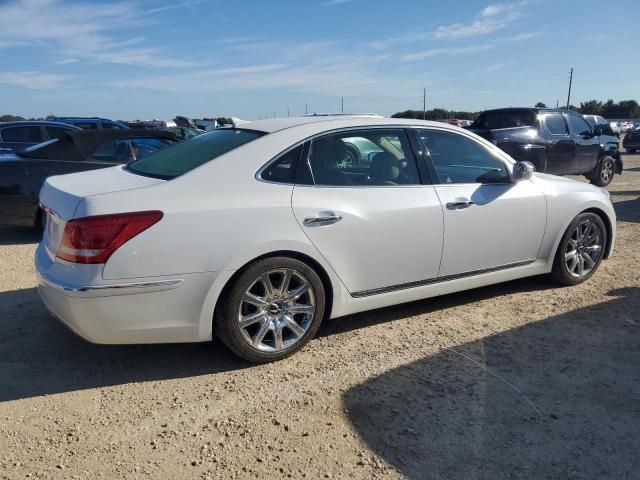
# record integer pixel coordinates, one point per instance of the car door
(377, 223)
(560, 145)
(489, 222)
(587, 144)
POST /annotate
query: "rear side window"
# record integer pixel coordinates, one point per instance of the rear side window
(556, 124)
(281, 171)
(505, 119)
(185, 156)
(22, 134)
(57, 132)
(376, 157)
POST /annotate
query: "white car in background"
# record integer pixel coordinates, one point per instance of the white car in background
(258, 233)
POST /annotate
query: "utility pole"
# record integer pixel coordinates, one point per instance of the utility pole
(287, 110)
(570, 81)
(557, 103)
(306, 108)
(424, 104)
(341, 104)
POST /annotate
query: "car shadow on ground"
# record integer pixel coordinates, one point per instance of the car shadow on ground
(39, 356)
(426, 306)
(627, 210)
(559, 398)
(10, 235)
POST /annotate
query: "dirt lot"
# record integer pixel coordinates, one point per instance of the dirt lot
(520, 380)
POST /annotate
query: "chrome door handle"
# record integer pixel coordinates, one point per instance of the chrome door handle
(323, 218)
(460, 205)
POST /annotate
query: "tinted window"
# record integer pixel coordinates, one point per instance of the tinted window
(459, 159)
(86, 125)
(376, 157)
(108, 125)
(556, 124)
(578, 125)
(281, 170)
(57, 132)
(505, 119)
(22, 134)
(146, 146)
(105, 153)
(185, 156)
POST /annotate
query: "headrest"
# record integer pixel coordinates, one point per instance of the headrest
(384, 166)
(327, 152)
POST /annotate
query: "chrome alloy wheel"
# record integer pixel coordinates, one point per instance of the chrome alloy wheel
(606, 172)
(583, 249)
(276, 310)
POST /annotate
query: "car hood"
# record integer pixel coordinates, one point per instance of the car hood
(556, 184)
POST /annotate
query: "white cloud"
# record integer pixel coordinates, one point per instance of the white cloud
(66, 61)
(83, 30)
(434, 52)
(497, 66)
(32, 80)
(490, 19)
(521, 37)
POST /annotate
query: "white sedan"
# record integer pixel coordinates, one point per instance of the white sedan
(256, 234)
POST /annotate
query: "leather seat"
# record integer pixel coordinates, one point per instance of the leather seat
(384, 169)
(326, 153)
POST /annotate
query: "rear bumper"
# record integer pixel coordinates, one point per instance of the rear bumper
(151, 310)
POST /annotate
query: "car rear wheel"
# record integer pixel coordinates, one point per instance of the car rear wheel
(581, 250)
(604, 172)
(272, 310)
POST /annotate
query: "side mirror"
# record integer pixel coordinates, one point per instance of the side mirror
(523, 171)
(598, 130)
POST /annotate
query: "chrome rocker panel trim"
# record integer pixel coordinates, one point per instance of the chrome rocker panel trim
(131, 288)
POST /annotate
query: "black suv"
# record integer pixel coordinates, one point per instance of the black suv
(561, 142)
(15, 136)
(90, 123)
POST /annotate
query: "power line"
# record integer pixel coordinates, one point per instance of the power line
(570, 81)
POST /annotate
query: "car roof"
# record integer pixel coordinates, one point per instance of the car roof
(43, 123)
(326, 122)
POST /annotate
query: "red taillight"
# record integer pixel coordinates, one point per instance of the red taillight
(94, 239)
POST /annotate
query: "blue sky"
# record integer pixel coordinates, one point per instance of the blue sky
(157, 58)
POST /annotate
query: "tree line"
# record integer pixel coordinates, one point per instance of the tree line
(17, 118)
(608, 109)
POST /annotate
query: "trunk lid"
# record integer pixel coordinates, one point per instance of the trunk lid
(60, 196)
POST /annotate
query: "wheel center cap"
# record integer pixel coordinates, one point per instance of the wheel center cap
(274, 309)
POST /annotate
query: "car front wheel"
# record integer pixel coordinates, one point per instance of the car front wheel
(272, 310)
(581, 250)
(604, 172)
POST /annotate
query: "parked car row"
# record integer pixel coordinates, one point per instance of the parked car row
(22, 173)
(631, 141)
(240, 232)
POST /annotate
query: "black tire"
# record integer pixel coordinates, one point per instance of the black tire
(560, 272)
(604, 172)
(226, 317)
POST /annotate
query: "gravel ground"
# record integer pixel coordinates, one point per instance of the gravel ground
(519, 380)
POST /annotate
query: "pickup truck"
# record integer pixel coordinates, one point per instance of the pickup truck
(555, 141)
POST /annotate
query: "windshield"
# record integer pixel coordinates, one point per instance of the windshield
(185, 156)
